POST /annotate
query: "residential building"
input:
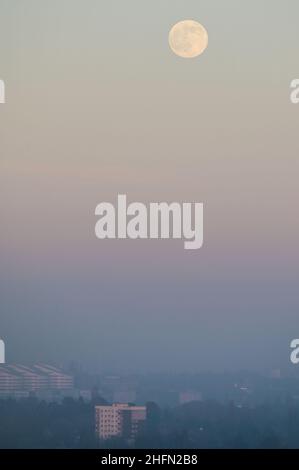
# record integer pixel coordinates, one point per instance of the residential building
(15, 378)
(119, 420)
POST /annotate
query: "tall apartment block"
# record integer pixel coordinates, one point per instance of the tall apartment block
(119, 420)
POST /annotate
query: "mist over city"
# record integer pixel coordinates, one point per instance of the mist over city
(149, 234)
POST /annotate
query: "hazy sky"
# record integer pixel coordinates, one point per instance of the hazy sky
(97, 105)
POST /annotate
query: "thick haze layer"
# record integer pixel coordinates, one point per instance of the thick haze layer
(97, 105)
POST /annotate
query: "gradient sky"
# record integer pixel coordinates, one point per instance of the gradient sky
(97, 105)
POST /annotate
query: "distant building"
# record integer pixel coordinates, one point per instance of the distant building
(117, 389)
(124, 396)
(189, 396)
(17, 378)
(58, 396)
(58, 380)
(119, 420)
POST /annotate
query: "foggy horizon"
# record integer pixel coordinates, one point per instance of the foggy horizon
(98, 105)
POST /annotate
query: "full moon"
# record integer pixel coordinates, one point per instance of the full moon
(188, 39)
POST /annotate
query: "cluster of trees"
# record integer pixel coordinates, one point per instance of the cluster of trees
(211, 425)
(33, 424)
